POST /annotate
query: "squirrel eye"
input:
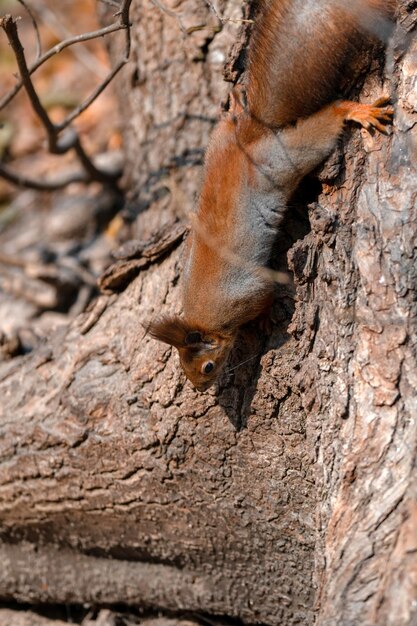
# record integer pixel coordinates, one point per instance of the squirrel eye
(208, 367)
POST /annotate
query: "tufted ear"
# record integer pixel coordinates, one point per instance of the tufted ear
(174, 330)
(193, 338)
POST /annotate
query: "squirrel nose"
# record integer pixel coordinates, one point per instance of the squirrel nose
(203, 386)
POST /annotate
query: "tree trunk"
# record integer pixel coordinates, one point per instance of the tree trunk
(289, 494)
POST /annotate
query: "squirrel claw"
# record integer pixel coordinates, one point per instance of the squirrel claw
(382, 101)
(371, 115)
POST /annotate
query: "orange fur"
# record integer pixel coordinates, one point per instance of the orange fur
(300, 49)
(256, 157)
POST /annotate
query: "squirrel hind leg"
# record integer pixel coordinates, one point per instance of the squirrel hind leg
(376, 115)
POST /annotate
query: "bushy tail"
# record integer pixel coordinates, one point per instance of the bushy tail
(300, 50)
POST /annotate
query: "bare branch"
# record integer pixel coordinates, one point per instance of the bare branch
(8, 23)
(103, 176)
(70, 140)
(222, 20)
(58, 48)
(84, 105)
(125, 23)
(178, 18)
(187, 31)
(58, 27)
(35, 27)
(56, 145)
(47, 185)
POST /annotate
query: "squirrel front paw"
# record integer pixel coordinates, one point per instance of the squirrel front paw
(370, 115)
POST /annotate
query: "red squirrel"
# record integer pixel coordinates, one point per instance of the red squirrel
(257, 155)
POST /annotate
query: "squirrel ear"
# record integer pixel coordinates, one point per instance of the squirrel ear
(172, 330)
(193, 337)
(175, 331)
(237, 102)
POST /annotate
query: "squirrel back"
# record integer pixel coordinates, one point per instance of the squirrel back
(299, 50)
(257, 155)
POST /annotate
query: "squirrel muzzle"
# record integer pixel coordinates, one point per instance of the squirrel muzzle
(202, 354)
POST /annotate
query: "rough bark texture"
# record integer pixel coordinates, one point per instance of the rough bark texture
(120, 484)
(65, 615)
(360, 377)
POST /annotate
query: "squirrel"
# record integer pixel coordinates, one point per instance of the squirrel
(260, 150)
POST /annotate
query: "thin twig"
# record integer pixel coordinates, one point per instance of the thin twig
(191, 29)
(86, 103)
(223, 20)
(35, 26)
(112, 28)
(47, 185)
(60, 30)
(8, 23)
(125, 23)
(71, 139)
(103, 176)
(124, 20)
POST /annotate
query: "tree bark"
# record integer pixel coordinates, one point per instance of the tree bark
(103, 617)
(287, 495)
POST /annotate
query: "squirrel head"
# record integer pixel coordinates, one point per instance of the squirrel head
(202, 354)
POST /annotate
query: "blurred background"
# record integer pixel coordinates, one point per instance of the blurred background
(53, 245)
